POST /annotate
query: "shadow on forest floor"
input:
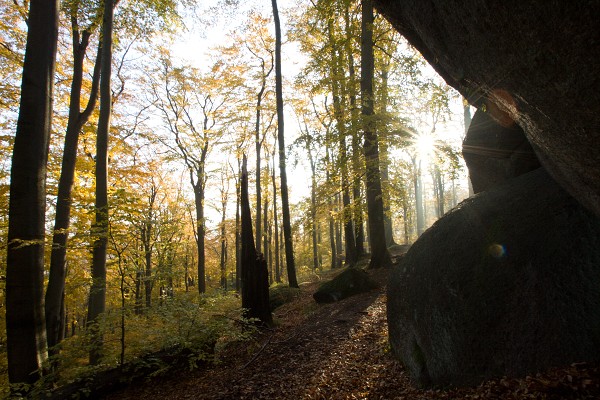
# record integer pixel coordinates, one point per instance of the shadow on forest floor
(340, 351)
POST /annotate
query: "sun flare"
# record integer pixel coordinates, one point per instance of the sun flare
(424, 145)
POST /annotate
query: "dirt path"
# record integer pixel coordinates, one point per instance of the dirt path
(339, 351)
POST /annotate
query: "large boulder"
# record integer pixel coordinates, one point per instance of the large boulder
(533, 62)
(348, 283)
(506, 284)
(495, 153)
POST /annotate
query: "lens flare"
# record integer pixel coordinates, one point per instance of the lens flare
(497, 250)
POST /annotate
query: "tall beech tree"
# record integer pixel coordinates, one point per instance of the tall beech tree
(379, 254)
(285, 203)
(54, 305)
(266, 68)
(97, 297)
(357, 203)
(339, 95)
(25, 324)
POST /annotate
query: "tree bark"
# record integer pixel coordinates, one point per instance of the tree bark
(57, 274)
(25, 323)
(357, 209)
(265, 237)
(255, 280)
(418, 185)
(285, 205)
(238, 240)
(380, 256)
(200, 235)
(313, 212)
(350, 242)
(97, 296)
(276, 226)
(384, 159)
(223, 262)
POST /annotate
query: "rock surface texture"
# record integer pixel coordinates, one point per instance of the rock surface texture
(533, 62)
(350, 282)
(506, 284)
(495, 154)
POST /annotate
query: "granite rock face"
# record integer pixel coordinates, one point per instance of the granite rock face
(494, 153)
(508, 283)
(533, 62)
(348, 283)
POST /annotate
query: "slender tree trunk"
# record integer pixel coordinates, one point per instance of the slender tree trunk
(338, 235)
(223, 250)
(146, 237)
(332, 235)
(148, 267)
(384, 159)
(380, 256)
(200, 234)
(25, 323)
(258, 146)
(123, 304)
(186, 266)
(139, 276)
(265, 238)
(238, 244)
(313, 217)
(438, 186)
(357, 211)
(57, 273)
(331, 206)
(350, 242)
(467, 123)
(281, 255)
(276, 226)
(97, 296)
(319, 242)
(418, 195)
(285, 206)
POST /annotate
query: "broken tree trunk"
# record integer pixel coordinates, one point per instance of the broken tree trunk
(255, 276)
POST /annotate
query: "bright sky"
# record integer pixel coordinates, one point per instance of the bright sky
(193, 49)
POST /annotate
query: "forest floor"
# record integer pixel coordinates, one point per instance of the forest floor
(340, 351)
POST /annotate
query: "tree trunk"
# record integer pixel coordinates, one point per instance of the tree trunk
(350, 242)
(148, 265)
(238, 244)
(265, 237)
(255, 281)
(258, 146)
(285, 206)
(25, 324)
(97, 296)
(223, 262)
(438, 186)
(139, 277)
(357, 211)
(200, 234)
(384, 159)
(338, 235)
(57, 273)
(380, 256)
(467, 122)
(332, 235)
(330, 203)
(276, 223)
(418, 195)
(313, 212)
